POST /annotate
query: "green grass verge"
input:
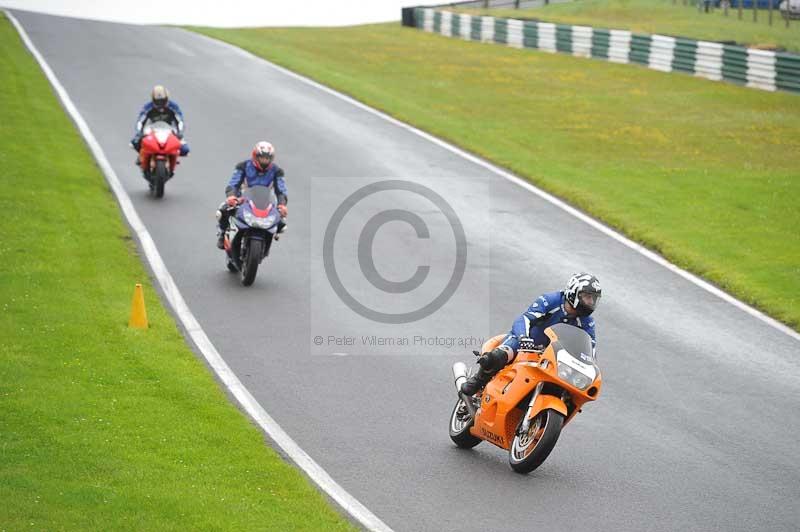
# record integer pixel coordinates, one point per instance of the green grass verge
(705, 173)
(666, 18)
(103, 427)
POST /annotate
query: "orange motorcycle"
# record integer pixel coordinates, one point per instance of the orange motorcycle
(525, 406)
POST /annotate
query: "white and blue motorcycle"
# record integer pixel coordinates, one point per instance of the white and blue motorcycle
(250, 232)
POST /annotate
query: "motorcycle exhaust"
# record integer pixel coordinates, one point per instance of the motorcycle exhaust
(459, 374)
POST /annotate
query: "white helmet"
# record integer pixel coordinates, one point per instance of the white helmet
(263, 154)
(160, 96)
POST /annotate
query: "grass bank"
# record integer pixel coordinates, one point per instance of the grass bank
(666, 18)
(705, 173)
(103, 427)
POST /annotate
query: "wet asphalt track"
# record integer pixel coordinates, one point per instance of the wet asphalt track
(696, 429)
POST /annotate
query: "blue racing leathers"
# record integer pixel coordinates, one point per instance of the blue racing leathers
(247, 173)
(171, 114)
(546, 310)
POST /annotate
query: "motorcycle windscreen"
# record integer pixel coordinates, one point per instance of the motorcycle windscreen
(261, 196)
(153, 127)
(575, 341)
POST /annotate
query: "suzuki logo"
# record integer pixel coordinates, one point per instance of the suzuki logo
(492, 437)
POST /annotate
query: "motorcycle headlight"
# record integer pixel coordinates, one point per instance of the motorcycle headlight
(574, 377)
(249, 217)
(162, 136)
(262, 223)
(576, 372)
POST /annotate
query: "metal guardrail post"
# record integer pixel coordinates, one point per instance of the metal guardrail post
(770, 12)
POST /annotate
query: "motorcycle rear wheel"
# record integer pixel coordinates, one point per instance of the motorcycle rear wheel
(528, 451)
(255, 249)
(459, 428)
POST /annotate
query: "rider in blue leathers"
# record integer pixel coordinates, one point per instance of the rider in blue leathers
(573, 305)
(260, 169)
(160, 109)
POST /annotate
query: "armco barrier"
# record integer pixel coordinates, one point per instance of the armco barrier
(759, 69)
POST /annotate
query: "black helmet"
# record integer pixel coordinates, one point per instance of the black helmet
(160, 96)
(583, 293)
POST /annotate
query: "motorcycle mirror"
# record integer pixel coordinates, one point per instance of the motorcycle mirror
(476, 353)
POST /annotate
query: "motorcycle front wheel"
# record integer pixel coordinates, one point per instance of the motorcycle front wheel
(529, 450)
(460, 423)
(160, 178)
(255, 248)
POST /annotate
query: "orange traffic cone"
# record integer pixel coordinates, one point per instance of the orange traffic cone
(138, 313)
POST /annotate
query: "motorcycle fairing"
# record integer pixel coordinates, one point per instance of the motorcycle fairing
(159, 140)
(505, 399)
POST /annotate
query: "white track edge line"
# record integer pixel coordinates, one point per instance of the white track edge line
(655, 257)
(325, 482)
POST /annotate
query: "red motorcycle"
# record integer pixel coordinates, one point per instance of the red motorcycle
(158, 155)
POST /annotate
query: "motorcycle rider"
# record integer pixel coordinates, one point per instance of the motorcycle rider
(259, 169)
(160, 109)
(573, 305)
